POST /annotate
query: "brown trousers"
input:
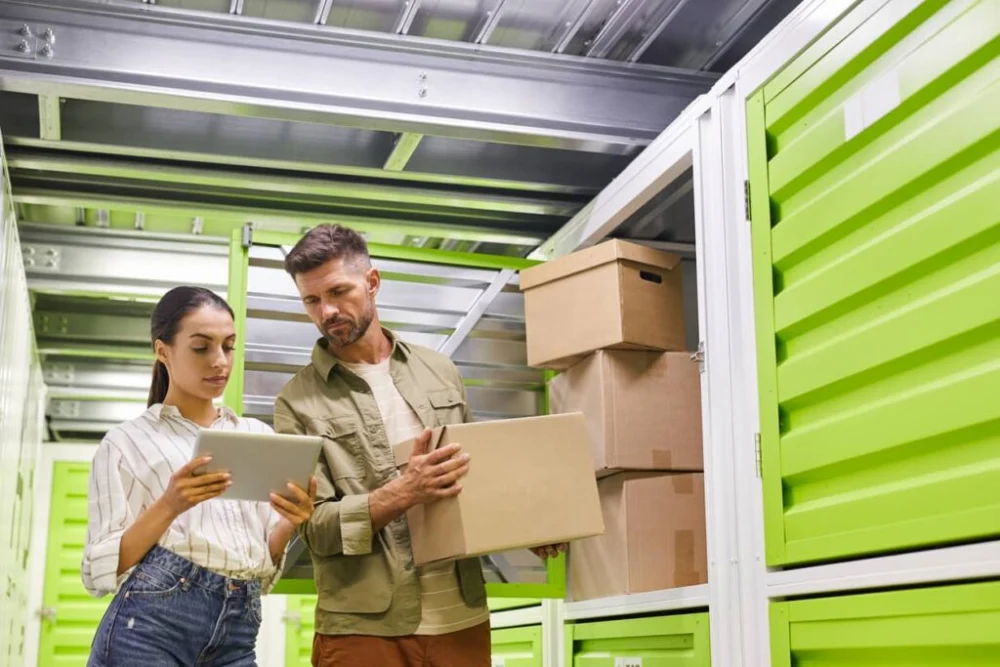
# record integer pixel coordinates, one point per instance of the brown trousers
(466, 648)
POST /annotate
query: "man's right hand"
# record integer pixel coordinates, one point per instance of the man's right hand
(433, 476)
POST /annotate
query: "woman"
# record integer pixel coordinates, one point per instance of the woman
(188, 566)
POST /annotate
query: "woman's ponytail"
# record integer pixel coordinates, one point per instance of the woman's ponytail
(160, 384)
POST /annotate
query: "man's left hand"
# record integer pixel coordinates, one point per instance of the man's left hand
(297, 510)
(550, 551)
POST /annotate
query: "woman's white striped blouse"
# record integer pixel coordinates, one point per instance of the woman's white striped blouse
(132, 468)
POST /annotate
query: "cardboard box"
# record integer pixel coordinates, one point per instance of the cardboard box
(643, 409)
(530, 483)
(614, 295)
(654, 537)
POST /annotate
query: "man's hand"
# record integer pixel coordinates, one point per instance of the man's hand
(430, 477)
(297, 510)
(550, 551)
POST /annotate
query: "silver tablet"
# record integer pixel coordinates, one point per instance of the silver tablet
(260, 463)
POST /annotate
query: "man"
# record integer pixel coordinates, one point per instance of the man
(365, 391)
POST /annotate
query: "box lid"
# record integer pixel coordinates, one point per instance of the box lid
(589, 258)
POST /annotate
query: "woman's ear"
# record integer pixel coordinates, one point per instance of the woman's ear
(160, 349)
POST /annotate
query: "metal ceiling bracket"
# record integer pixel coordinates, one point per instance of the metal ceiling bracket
(323, 12)
(654, 34)
(490, 23)
(402, 150)
(49, 117)
(246, 239)
(476, 312)
(40, 258)
(406, 16)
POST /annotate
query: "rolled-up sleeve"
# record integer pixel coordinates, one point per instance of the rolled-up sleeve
(272, 570)
(108, 515)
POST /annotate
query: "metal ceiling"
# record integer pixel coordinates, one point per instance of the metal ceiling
(139, 134)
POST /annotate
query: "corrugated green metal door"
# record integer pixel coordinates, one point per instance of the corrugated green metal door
(667, 641)
(875, 198)
(946, 626)
(72, 614)
(300, 617)
(517, 647)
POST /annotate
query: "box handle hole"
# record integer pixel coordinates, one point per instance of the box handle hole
(651, 277)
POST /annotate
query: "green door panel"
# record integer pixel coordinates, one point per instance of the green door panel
(874, 178)
(944, 626)
(517, 647)
(300, 619)
(65, 640)
(666, 641)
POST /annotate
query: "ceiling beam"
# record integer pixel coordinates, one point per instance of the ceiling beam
(63, 170)
(49, 117)
(402, 150)
(253, 67)
(379, 230)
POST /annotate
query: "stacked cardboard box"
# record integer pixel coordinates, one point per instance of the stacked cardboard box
(611, 319)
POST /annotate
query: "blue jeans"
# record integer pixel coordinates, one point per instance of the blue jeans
(171, 612)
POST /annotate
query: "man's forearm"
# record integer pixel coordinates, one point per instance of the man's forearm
(388, 503)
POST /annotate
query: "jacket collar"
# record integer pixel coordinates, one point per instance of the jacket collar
(325, 361)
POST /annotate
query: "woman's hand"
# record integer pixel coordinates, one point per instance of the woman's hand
(297, 510)
(187, 489)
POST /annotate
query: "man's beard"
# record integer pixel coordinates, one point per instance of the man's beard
(351, 331)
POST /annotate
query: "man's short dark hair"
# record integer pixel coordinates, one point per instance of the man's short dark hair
(325, 243)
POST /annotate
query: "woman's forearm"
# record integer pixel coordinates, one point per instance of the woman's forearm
(143, 535)
(279, 538)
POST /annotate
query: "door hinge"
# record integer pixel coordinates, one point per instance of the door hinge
(247, 239)
(699, 356)
(746, 199)
(758, 460)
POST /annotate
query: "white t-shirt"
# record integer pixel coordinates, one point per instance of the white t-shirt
(443, 609)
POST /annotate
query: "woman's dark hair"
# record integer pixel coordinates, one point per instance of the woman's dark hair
(175, 305)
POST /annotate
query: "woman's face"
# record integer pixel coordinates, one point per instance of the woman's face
(201, 356)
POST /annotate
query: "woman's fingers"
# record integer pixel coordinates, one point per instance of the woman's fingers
(199, 481)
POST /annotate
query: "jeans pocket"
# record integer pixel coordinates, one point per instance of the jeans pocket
(151, 581)
(254, 608)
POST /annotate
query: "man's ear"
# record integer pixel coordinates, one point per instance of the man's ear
(374, 280)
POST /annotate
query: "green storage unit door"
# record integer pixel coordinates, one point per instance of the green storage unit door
(874, 190)
(300, 617)
(66, 637)
(666, 641)
(518, 647)
(945, 626)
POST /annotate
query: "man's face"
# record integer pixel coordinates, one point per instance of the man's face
(339, 298)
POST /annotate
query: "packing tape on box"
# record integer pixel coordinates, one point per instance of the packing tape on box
(684, 483)
(663, 459)
(686, 572)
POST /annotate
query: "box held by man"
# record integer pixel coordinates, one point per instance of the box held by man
(530, 483)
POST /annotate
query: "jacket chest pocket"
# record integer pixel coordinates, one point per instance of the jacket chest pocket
(344, 448)
(448, 405)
